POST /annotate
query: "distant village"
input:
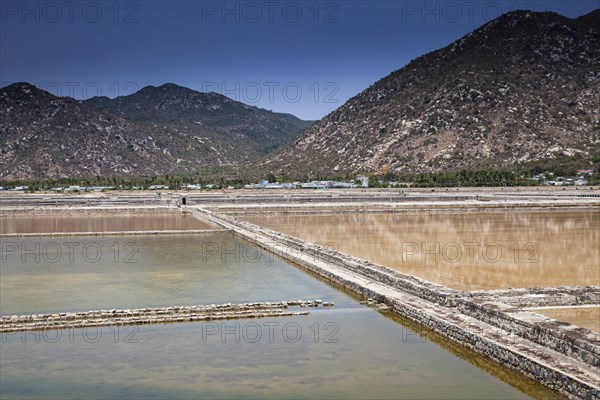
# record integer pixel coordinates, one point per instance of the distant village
(548, 179)
(361, 181)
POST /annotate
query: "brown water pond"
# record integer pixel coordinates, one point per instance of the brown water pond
(585, 317)
(100, 223)
(467, 251)
(348, 351)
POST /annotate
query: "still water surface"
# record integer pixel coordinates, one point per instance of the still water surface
(87, 273)
(99, 223)
(349, 351)
(585, 317)
(463, 251)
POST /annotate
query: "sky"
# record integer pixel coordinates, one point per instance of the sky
(302, 57)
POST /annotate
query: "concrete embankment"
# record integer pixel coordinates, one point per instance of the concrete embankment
(132, 202)
(412, 207)
(73, 320)
(565, 360)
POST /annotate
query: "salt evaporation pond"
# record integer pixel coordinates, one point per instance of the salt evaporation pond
(465, 251)
(348, 351)
(100, 223)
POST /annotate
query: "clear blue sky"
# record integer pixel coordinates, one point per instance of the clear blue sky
(302, 57)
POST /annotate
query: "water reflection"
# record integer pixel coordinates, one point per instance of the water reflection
(98, 223)
(585, 317)
(463, 251)
(86, 273)
(372, 358)
(365, 355)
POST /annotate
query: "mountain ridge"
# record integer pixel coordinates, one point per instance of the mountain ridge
(522, 88)
(518, 89)
(45, 136)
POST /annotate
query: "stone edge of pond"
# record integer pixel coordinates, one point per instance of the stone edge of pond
(153, 315)
(398, 208)
(480, 326)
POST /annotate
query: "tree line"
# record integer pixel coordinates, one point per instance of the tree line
(224, 179)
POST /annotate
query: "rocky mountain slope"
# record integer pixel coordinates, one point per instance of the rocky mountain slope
(174, 107)
(523, 87)
(156, 131)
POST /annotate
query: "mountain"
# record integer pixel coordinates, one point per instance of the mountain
(174, 107)
(521, 88)
(156, 131)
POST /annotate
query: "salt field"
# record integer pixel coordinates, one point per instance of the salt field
(585, 317)
(467, 251)
(136, 300)
(99, 223)
(348, 351)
